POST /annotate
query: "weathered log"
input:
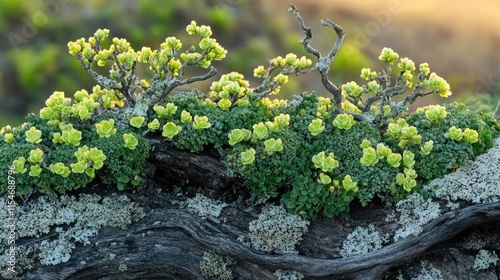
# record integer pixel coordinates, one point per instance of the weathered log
(193, 171)
(169, 242)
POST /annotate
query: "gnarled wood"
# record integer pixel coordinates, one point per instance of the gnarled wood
(169, 242)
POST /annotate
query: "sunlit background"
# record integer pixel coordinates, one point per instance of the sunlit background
(460, 40)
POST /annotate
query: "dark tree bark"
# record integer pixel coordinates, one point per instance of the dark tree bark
(169, 242)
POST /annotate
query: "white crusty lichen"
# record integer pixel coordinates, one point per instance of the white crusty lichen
(288, 275)
(413, 213)
(363, 240)
(23, 260)
(69, 220)
(215, 265)
(204, 207)
(484, 259)
(477, 183)
(123, 267)
(277, 231)
(428, 272)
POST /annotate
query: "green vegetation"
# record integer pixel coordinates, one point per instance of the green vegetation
(315, 154)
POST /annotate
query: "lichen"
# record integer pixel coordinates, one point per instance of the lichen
(477, 183)
(277, 231)
(484, 259)
(123, 267)
(288, 275)
(215, 265)
(24, 259)
(362, 241)
(72, 220)
(204, 206)
(413, 213)
(428, 272)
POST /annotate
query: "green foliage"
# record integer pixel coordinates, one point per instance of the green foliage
(449, 148)
(54, 146)
(122, 165)
(316, 154)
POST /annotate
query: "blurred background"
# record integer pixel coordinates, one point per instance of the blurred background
(460, 40)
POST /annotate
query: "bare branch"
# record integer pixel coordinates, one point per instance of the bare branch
(268, 86)
(340, 33)
(324, 62)
(212, 71)
(189, 63)
(496, 110)
(176, 82)
(307, 31)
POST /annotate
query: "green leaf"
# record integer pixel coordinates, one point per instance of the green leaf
(8, 137)
(35, 171)
(106, 128)
(471, 136)
(324, 179)
(170, 130)
(435, 113)
(388, 55)
(408, 159)
(352, 89)
(224, 104)
(186, 117)
(71, 137)
(235, 136)
(454, 133)
(349, 185)
(370, 157)
(130, 141)
(137, 121)
(260, 131)
(273, 145)
(78, 167)
(394, 160)
(343, 121)
(60, 169)
(33, 135)
(427, 147)
(248, 156)
(81, 153)
(97, 157)
(154, 125)
(90, 172)
(325, 163)
(36, 156)
(365, 144)
(201, 122)
(19, 165)
(316, 127)
(383, 151)
(283, 120)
